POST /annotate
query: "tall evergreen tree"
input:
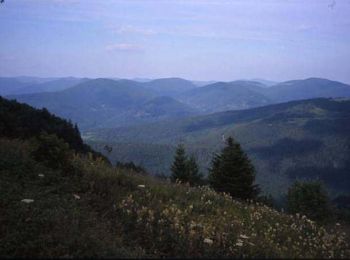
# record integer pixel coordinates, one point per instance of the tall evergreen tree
(179, 166)
(193, 175)
(232, 172)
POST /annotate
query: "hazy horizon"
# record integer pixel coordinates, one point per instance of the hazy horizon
(197, 40)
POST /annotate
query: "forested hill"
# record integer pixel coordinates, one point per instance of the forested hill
(22, 121)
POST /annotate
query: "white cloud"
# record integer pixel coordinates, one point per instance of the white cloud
(134, 30)
(124, 47)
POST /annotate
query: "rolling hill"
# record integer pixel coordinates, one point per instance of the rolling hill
(169, 86)
(306, 139)
(307, 88)
(223, 96)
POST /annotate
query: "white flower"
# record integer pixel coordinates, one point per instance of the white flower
(141, 186)
(239, 242)
(27, 200)
(41, 175)
(243, 236)
(208, 241)
(77, 197)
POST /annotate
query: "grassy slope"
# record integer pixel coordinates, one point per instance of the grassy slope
(298, 139)
(114, 216)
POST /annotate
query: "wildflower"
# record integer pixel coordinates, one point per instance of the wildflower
(141, 186)
(239, 242)
(27, 200)
(208, 241)
(77, 197)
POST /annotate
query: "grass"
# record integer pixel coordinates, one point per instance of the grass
(96, 210)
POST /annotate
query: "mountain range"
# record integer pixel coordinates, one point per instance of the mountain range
(99, 103)
(144, 120)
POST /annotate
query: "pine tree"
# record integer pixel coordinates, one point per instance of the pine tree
(233, 173)
(310, 199)
(179, 166)
(193, 175)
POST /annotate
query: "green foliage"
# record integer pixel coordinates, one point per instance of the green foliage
(233, 173)
(185, 169)
(194, 176)
(179, 166)
(309, 199)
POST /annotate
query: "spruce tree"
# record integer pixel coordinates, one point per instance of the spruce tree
(179, 166)
(233, 173)
(193, 175)
(310, 199)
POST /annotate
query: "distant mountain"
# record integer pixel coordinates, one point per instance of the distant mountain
(29, 85)
(108, 103)
(223, 96)
(169, 86)
(306, 139)
(267, 83)
(54, 85)
(166, 107)
(308, 88)
(33, 80)
(11, 86)
(200, 83)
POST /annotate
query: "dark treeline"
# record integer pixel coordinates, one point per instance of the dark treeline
(23, 122)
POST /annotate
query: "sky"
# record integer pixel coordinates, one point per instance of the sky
(193, 39)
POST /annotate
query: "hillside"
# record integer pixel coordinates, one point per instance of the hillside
(306, 89)
(22, 121)
(169, 86)
(300, 139)
(94, 210)
(223, 96)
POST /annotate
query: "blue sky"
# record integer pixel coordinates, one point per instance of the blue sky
(194, 39)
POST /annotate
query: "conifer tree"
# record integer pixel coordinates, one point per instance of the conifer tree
(179, 166)
(233, 173)
(193, 175)
(310, 199)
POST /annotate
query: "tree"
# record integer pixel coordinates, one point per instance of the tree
(233, 173)
(178, 168)
(309, 199)
(192, 171)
